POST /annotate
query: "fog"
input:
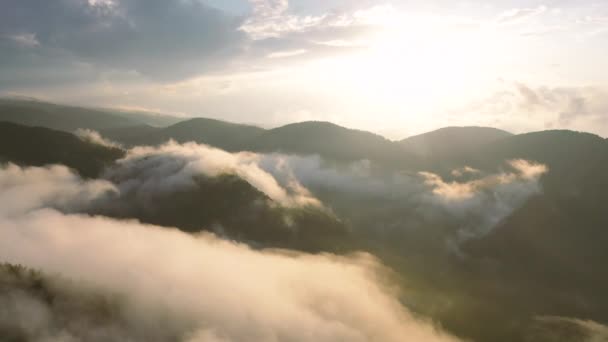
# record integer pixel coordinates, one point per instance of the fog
(95, 137)
(195, 287)
(172, 167)
(474, 200)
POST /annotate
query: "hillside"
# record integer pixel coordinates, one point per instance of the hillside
(37, 146)
(451, 143)
(536, 236)
(144, 117)
(70, 118)
(555, 243)
(328, 140)
(217, 133)
(305, 138)
(130, 135)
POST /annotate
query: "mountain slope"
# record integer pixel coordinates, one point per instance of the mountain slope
(37, 146)
(451, 142)
(130, 135)
(328, 140)
(144, 117)
(217, 133)
(69, 118)
(306, 138)
(555, 243)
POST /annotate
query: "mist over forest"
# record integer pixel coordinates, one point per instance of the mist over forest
(310, 231)
(303, 171)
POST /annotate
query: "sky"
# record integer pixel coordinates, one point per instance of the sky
(397, 68)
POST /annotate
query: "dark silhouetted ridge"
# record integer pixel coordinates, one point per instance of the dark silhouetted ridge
(37, 146)
(328, 140)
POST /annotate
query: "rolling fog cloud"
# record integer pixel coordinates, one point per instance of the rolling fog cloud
(94, 137)
(360, 178)
(173, 167)
(556, 328)
(199, 288)
(475, 204)
(524, 171)
(25, 189)
(482, 203)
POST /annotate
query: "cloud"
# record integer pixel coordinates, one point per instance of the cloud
(519, 14)
(193, 288)
(567, 105)
(286, 54)
(273, 27)
(269, 19)
(463, 171)
(391, 202)
(479, 204)
(556, 328)
(26, 189)
(121, 50)
(94, 137)
(174, 167)
(523, 107)
(269, 8)
(525, 171)
(24, 39)
(162, 40)
(358, 179)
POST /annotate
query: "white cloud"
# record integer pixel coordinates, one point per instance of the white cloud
(521, 107)
(195, 288)
(27, 40)
(286, 54)
(519, 14)
(525, 171)
(360, 178)
(466, 170)
(25, 189)
(94, 137)
(172, 167)
(483, 202)
(271, 19)
(566, 328)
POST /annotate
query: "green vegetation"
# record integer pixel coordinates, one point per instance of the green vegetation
(36, 146)
(543, 258)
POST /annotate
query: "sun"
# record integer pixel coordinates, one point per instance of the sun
(409, 59)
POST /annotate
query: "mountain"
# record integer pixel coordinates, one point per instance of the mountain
(130, 135)
(451, 142)
(539, 260)
(58, 301)
(217, 133)
(554, 244)
(328, 140)
(70, 118)
(37, 146)
(144, 117)
(539, 257)
(567, 220)
(304, 138)
(231, 207)
(323, 138)
(568, 154)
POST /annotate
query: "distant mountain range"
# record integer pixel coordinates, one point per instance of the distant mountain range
(32, 112)
(323, 138)
(546, 257)
(37, 146)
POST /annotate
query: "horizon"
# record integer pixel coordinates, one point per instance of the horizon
(393, 67)
(395, 138)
